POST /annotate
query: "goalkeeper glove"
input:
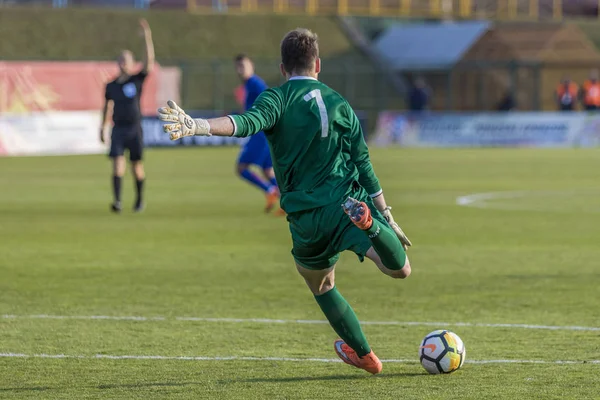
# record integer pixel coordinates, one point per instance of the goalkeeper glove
(387, 214)
(181, 124)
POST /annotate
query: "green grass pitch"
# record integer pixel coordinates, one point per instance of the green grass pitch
(204, 249)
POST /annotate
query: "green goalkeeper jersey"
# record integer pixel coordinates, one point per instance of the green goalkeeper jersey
(316, 143)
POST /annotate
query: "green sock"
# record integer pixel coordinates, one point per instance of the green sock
(387, 245)
(343, 321)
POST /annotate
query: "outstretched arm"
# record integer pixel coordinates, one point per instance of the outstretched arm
(149, 54)
(263, 115)
(221, 126)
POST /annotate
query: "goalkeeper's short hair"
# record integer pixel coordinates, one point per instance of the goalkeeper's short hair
(299, 51)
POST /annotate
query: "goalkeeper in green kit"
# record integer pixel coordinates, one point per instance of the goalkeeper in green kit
(328, 187)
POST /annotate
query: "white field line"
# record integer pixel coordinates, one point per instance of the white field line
(480, 199)
(286, 359)
(302, 321)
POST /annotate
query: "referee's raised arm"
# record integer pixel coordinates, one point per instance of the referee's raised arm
(149, 54)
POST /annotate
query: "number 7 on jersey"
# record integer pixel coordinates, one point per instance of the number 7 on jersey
(316, 94)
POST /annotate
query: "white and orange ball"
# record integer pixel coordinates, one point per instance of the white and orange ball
(442, 352)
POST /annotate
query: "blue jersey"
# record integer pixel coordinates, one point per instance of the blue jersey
(256, 149)
(254, 87)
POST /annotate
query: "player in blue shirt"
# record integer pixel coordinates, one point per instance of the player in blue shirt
(256, 150)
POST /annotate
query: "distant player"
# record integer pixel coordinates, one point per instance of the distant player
(256, 150)
(328, 187)
(122, 105)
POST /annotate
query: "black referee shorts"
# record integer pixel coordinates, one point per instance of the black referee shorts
(127, 137)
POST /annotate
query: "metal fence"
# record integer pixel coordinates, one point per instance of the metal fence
(532, 10)
(469, 86)
(481, 86)
(210, 85)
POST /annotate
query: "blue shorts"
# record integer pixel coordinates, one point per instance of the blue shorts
(256, 152)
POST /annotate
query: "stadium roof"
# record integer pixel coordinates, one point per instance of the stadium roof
(428, 46)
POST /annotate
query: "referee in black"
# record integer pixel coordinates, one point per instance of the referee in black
(122, 105)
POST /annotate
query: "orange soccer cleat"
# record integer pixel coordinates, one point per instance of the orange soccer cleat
(369, 363)
(359, 213)
(272, 200)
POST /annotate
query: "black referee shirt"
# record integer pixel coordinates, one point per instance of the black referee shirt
(126, 96)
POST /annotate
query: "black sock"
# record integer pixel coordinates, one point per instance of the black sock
(139, 185)
(117, 188)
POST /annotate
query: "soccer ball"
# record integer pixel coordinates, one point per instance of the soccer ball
(442, 352)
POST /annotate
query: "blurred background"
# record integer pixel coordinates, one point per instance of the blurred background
(384, 56)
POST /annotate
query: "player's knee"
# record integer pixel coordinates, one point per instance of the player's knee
(119, 166)
(318, 281)
(138, 169)
(320, 285)
(401, 273)
(240, 168)
(322, 288)
(269, 173)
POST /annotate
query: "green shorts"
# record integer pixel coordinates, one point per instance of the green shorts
(321, 234)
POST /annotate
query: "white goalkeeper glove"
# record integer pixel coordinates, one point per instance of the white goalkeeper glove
(181, 124)
(387, 214)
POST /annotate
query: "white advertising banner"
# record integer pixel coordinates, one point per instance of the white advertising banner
(51, 133)
(515, 129)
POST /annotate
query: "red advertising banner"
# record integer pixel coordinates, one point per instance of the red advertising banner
(64, 86)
